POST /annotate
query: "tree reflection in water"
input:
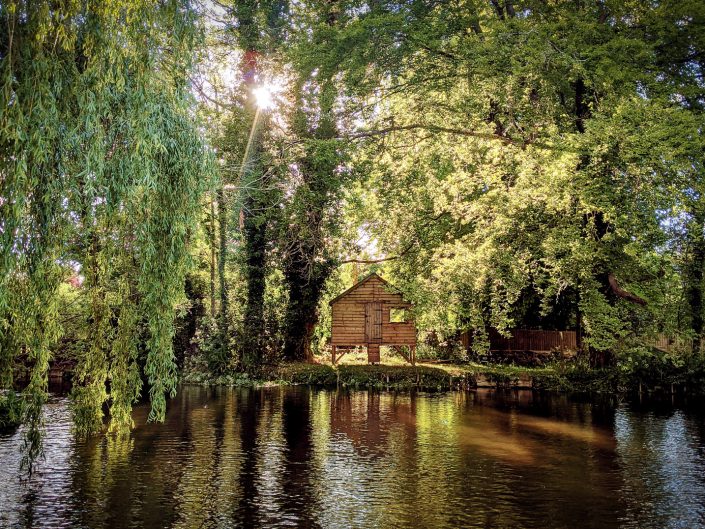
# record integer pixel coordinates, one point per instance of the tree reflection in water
(299, 457)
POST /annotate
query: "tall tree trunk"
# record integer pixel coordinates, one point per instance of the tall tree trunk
(255, 233)
(212, 244)
(695, 274)
(305, 280)
(307, 265)
(223, 324)
(255, 20)
(253, 224)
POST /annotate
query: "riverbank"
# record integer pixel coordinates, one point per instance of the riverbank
(565, 377)
(448, 377)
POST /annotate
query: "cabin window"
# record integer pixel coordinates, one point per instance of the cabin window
(399, 315)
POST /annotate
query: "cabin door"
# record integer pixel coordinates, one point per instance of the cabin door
(373, 322)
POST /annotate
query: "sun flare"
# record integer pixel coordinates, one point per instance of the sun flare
(264, 96)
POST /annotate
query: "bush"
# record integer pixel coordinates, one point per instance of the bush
(432, 348)
(393, 377)
(316, 374)
(11, 410)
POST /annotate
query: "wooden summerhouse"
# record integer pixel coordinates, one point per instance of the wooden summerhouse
(372, 313)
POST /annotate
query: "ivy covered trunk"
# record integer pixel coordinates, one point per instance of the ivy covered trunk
(694, 274)
(255, 234)
(221, 352)
(314, 210)
(305, 292)
(258, 29)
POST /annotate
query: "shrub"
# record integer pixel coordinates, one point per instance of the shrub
(11, 410)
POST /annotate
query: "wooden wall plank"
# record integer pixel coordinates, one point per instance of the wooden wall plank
(361, 317)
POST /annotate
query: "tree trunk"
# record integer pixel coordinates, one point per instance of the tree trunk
(695, 289)
(187, 325)
(223, 324)
(305, 283)
(307, 265)
(509, 6)
(620, 292)
(255, 232)
(498, 8)
(212, 244)
(695, 275)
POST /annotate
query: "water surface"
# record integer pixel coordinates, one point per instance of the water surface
(300, 457)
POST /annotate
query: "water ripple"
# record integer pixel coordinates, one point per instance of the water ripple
(295, 457)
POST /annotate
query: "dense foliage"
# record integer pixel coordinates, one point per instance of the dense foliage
(543, 161)
(507, 164)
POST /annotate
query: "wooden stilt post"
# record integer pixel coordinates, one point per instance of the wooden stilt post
(413, 355)
(373, 353)
(332, 354)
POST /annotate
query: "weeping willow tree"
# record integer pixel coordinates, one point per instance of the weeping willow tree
(101, 168)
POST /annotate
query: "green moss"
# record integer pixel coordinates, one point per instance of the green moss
(236, 379)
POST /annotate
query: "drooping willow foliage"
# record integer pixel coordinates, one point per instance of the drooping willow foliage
(101, 169)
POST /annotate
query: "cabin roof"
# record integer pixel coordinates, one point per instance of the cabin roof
(362, 282)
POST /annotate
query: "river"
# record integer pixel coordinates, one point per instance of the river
(302, 457)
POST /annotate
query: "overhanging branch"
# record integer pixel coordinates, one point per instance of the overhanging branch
(445, 130)
(370, 261)
(619, 291)
(432, 128)
(380, 260)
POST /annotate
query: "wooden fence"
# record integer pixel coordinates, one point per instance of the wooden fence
(670, 343)
(528, 340)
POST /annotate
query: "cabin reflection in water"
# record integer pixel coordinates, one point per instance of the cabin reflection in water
(369, 314)
(360, 418)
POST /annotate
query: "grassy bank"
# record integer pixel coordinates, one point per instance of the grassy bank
(449, 376)
(569, 377)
